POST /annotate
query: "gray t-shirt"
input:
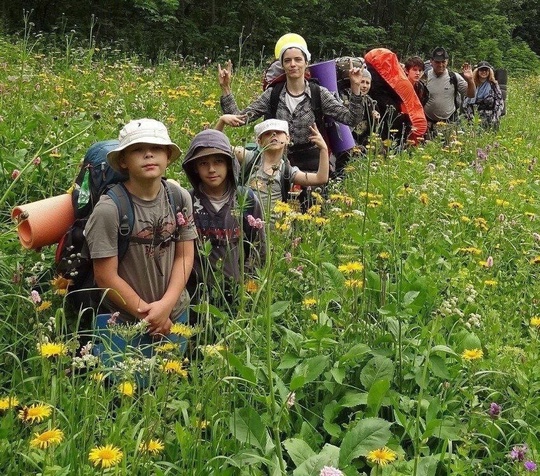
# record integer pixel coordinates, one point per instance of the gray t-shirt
(266, 183)
(441, 103)
(147, 265)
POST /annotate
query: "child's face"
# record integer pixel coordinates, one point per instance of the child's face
(145, 161)
(273, 140)
(365, 85)
(414, 74)
(213, 172)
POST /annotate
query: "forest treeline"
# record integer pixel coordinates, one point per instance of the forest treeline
(504, 32)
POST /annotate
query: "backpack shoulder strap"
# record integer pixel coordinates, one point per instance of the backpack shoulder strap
(249, 166)
(175, 199)
(454, 82)
(122, 198)
(274, 99)
(316, 105)
(285, 179)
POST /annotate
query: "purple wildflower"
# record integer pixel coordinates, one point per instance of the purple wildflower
(36, 298)
(330, 471)
(494, 410)
(518, 453)
(530, 465)
(481, 154)
(255, 222)
(180, 219)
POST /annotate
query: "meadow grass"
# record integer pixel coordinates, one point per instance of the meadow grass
(401, 312)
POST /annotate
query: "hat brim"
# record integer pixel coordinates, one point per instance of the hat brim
(206, 151)
(113, 157)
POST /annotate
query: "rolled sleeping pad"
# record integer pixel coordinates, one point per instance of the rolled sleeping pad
(339, 135)
(44, 222)
(386, 63)
(501, 76)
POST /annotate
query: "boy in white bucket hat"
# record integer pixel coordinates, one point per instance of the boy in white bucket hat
(266, 168)
(148, 283)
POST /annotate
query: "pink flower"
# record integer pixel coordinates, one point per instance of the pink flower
(536, 236)
(15, 174)
(180, 219)
(330, 471)
(296, 242)
(489, 262)
(288, 257)
(256, 223)
(35, 297)
(37, 161)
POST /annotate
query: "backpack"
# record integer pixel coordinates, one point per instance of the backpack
(72, 260)
(249, 167)
(457, 97)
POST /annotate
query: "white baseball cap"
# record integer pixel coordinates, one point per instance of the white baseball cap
(271, 125)
(142, 131)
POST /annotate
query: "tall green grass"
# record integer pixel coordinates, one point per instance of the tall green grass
(393, 314)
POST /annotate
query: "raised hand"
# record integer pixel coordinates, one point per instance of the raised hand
(224, 77)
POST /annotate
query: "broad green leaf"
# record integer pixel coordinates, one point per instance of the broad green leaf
(338, 373)
(278, 308)
(367, 435)
(409, 298)
(378, 368)
(443, 348)
(376, 394)
(308, 370)
(354, 353)
(353, 399)
(329, 456)
(438, 367)
(298, 450)
(245, 372)
(247, 427)
(336, 277)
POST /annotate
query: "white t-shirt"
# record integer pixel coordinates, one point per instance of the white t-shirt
(441, 103)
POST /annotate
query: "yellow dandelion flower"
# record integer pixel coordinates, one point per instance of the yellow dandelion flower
(351, 267)
(212, 350)
(47, 438)
(282, 207)
(470, 250)
(126, 388)
(374, 203)
(314, 317)
(37, 412)
(502, 203)
(465, 219)
(44, 306)
(6, 403)
(535, 260)
(535, 321)
(251, 286)
(52, 349)
(321, 221)
(202, 424)
(283, 226)
(61, 285)
(182, 330)
(481, 223)
(174, 367)
(98, 377)
(105, 456)
(152, 446)
(455, 206)
(167, 347)
(490, 282)
(384, 255)
(382, 456)
(472, 354)
(354, 283)
(424, 198)
(309, 302)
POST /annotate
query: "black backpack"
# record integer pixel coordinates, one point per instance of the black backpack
(72, 260)
(249, 167)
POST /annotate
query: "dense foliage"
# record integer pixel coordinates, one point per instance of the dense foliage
(394, 330)
(501, 31)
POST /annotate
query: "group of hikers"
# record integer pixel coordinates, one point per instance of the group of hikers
(204, 246)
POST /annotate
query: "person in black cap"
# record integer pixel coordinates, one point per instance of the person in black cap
(488, 101)
(446, 89)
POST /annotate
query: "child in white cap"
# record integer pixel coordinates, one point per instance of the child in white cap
(148, 283)
(267, 169)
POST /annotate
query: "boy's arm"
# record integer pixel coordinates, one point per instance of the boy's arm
(120, 292)
(158, 313)
(321, 177)
(233, 120)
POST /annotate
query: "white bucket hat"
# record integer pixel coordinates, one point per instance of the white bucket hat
(142, 131)
(271, 125)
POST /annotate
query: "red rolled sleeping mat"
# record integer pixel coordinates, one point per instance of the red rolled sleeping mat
(386, 63)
